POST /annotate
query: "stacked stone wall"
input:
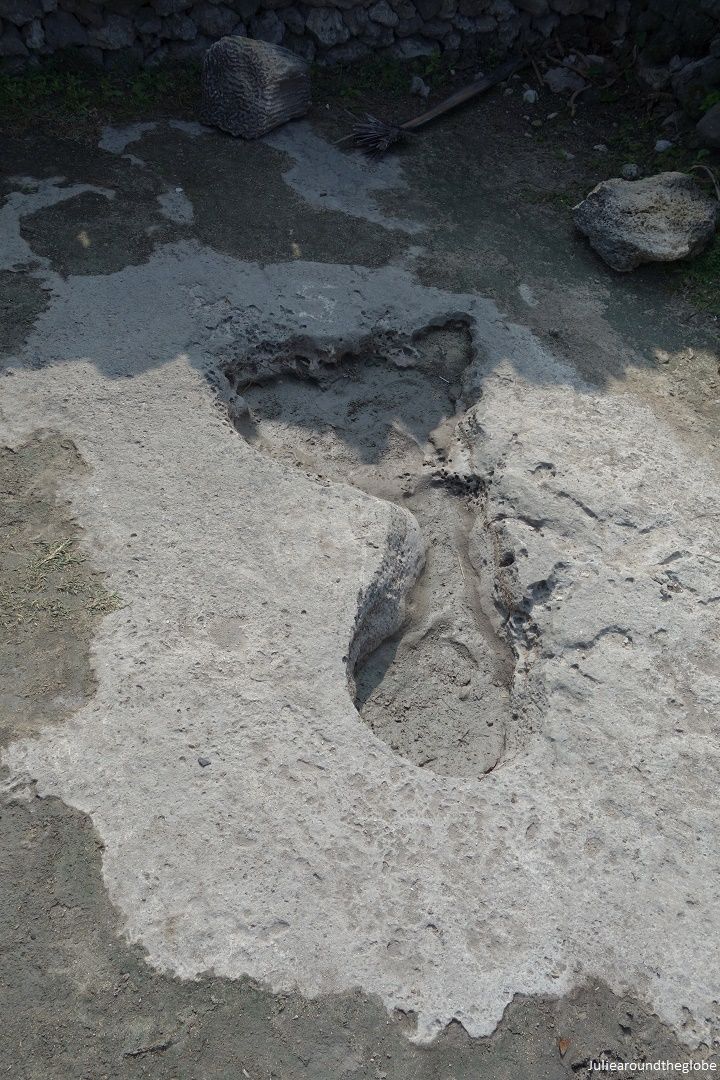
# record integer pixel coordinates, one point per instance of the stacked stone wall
(678, 41)
(156, 31)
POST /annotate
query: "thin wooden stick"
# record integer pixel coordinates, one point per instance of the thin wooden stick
(376, 136)
(466, 94)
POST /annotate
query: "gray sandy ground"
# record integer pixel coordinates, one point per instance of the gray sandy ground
(80, 1002)
(534, 856)
(437, 691)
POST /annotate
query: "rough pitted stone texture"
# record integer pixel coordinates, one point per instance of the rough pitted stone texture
(20, 11)
(116, 33)
(34, 35)
(246, 8)
(294, 19)
(568, 7)
(63, 30)
(482, 25)
(88, 11)
(411, 47)
(428, 9)
(661, 218)
(215, 20)
(11, 42)
(347, 53)
(407, 27)
(309, 855)
(268, 27)
(250, 87)
(378, 36)
(436, 30)
(695, 80)
(327, 27)
(178, 28)
(382, 13)
(171, 7)
(147, 21)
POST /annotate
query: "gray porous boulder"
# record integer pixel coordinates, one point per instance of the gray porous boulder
(250, 87)
(657, 219)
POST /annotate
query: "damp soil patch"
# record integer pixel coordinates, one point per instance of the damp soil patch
(79, 1001)
(95, 234)
(51, 600)
(22, 299)
(222, 177)
(438, 691)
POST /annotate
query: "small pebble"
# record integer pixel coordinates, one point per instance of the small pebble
(662, 145)
(567, 154)
(508, 91)
(530, 96)
(203, 762)
(630, 171)
(551, 116)
(419, 86)
(600, 147)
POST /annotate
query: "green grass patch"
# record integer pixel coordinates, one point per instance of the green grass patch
(380, 76)
(713, 98)
(55, 584)
(63, 93)
(634, 141)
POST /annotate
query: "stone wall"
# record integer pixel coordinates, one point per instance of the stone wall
(156, 31)
(680, 48)
(153, 32)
